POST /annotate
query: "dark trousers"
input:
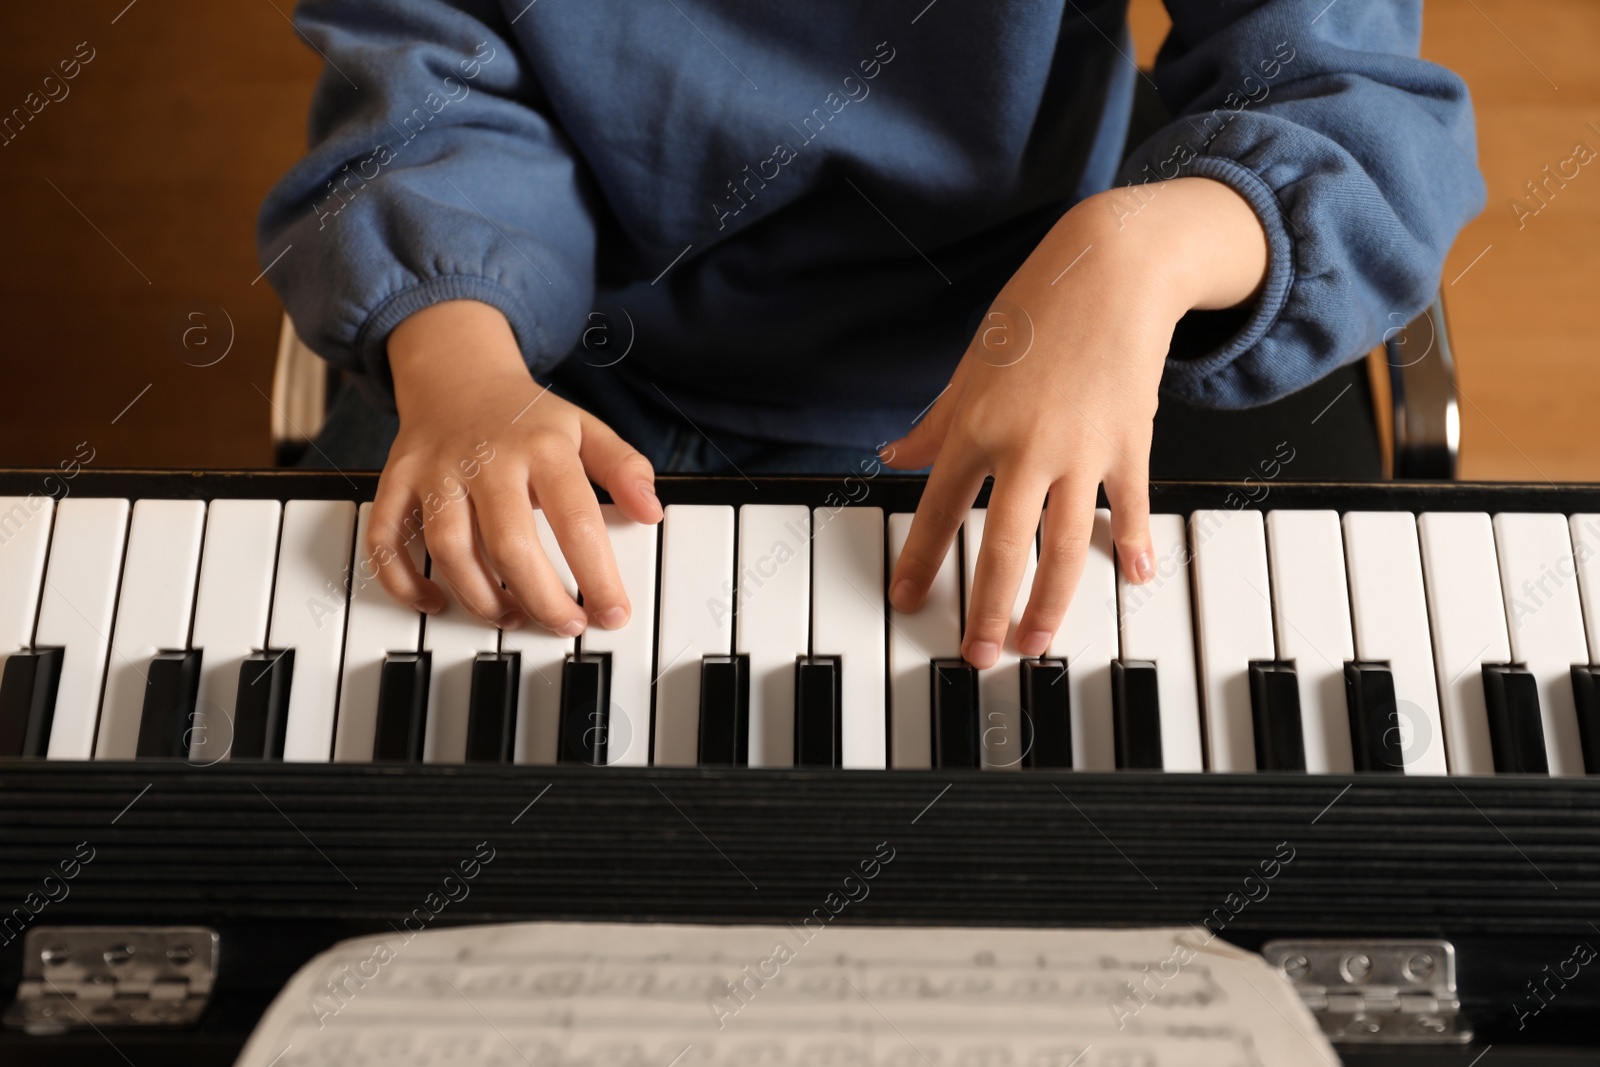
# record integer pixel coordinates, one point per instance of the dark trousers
(1329, 428)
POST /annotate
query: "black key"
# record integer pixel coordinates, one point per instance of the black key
(1516, 732)
(1275, 709)
(817, 681)
(585, 708)
(402, 707)
(261, 712)
(171, 685)
(725, 710)
(28, 701)
(1046, 714)
(1375, 727)
(1136, 715)
(956, 734)
(492, 711)
(1586, 690)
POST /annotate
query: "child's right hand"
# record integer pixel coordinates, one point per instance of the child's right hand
(460, 382)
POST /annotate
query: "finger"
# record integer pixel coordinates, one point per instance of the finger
(563, 491)
(619, 469)
(920, 447)
(393, 526)
(504, 509)
(1009, 530)
(946, 499)
(1128, 492)
(1063, 547)
(458, 565)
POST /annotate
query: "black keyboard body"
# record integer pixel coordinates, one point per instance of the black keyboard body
(285, 858)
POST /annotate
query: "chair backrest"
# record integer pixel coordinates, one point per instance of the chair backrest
(1422, 387)
(299, 396)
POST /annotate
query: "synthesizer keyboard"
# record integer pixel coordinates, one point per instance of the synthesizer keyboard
(203, 683)
(1294, 639)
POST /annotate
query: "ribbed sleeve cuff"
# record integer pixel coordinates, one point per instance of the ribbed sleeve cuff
(373, 338)
(1196, 377)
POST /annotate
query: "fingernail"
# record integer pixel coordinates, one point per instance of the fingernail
(902, 593)
(612, 618)
(1034, 643)
(983, 654)
(1143, 567)
(426, 604)
(571, 628)
(650, 491)
(511, 620)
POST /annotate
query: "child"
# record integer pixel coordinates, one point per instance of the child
(762, 237)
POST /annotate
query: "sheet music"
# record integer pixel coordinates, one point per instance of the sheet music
(621, 995)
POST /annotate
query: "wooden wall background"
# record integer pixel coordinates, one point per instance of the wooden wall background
(129, 203)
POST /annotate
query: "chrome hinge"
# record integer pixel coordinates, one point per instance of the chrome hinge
(111, 976)
(1365, 992)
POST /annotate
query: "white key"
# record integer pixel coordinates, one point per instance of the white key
(1233, 607)
(1469, 628)
(1390, 615)
(1586, 548)
(1087, 641)
(454, 637)
(24, 543)
(1311, 617)
(848, 620)
(379, 624)
(1538, 574)
(231, 611)
(309, 601)
(628, 739)
(1155, 626)
(774, 621)
(153, 612)
(999, 687)
(915, 640)
(76, 611)
(543, 656)
(696, 620)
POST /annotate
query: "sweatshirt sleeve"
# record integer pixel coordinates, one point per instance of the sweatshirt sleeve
(434, 173)
(1359, 158)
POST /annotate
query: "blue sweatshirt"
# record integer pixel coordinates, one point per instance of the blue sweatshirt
(792, 216)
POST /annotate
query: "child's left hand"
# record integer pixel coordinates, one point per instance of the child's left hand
(1056, 394)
